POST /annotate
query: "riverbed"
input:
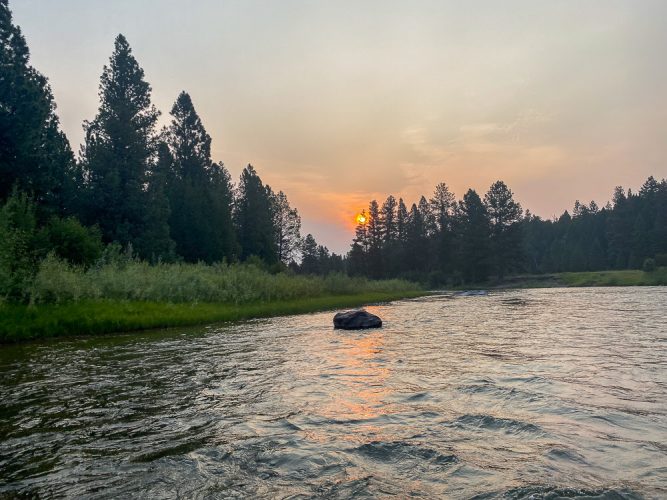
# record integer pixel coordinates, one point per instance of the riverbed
(516, 394)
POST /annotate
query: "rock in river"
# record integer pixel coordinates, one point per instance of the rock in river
(356, 320)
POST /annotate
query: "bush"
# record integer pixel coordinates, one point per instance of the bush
(71, 241)
(649, 265)
(119, 277)
(661, 259)
(18, 259)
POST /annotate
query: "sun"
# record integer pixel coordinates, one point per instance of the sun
(361, 219)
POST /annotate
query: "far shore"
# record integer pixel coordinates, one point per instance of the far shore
(626, 277)
(19, 323)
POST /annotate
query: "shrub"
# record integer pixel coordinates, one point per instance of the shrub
(71, 241)
(123, 278)
(649, 265)
(18, 259)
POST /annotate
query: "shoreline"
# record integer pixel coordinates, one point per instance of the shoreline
(21, 323)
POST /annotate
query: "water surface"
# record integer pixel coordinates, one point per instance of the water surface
(518, 394)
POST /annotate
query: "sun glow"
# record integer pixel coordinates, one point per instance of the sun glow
(361, 219)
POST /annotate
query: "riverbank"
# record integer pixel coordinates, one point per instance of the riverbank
(20, 323)
(626, 277)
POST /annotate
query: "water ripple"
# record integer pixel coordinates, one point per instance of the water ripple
(539, 394)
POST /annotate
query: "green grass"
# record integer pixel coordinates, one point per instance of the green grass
(21, 322)
(629, 277)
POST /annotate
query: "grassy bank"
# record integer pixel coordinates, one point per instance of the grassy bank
(628, 277)
(124, 294)
(20, 322)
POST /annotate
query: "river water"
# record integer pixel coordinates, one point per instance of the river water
(518, 394)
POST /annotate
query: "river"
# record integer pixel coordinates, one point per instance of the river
(518, 394)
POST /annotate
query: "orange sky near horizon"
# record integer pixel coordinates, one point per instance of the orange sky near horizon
(337, 103)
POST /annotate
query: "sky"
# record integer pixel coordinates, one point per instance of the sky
(343, 101)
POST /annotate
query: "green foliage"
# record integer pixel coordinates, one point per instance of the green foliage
(628, 277)
(287, 228)
(473, 233)
(649, 265)
(119, 149)
(253, 217)
(19, 323)
(505, 215)
(35, 155)
(121, 277)
(71, 241)
(18, 256)
(470, 240)
(155, 242)
(200, 191)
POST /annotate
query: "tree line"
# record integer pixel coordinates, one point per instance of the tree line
(442, 240)
(156, 192)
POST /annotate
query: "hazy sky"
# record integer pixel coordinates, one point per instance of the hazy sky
(338, 102)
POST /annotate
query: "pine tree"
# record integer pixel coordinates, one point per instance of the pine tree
(155, 242)
(35, 155)
(388, 220)
(287, 225)
(442, 206)
(225, 245)
(253, 217)
(401, 221)
(505, 215)
(309, 255)
(200, 191)
(119, 149)
(473, 234)
(375, 240)
(358, 255)
(416, 241)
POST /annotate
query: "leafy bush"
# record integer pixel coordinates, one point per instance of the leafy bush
(18, 259)
(72, 241)
(649, 265)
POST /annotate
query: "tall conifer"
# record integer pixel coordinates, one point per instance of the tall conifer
(35, 155)
(119, 148)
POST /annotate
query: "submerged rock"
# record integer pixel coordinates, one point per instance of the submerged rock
(356, 320)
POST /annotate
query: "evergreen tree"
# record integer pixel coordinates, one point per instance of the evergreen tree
(119, 149)
(35, 155)
(416, 257)
(442, 207)
(309, 255)
(357, 258)
(155, 242)
(442, 204)
(221, 217)
(287, 226)
(374, 233)
(473, 233)
(388, 220)
(505, 215)
(254, 219)
(401, 221)
(428, 217)
(200, 191)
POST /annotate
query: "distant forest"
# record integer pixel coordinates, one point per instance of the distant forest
(441, 240)
(158, 195)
